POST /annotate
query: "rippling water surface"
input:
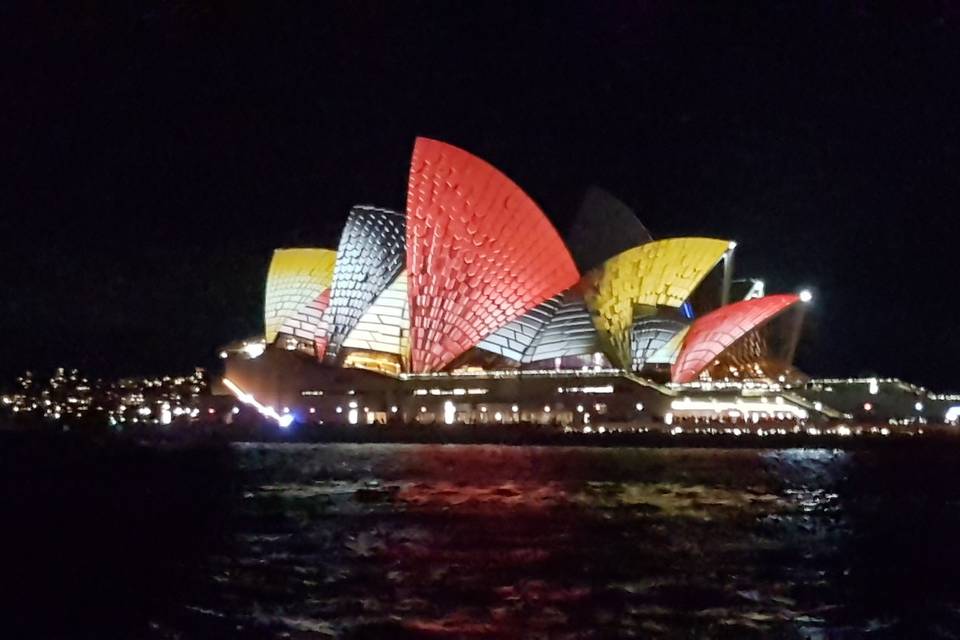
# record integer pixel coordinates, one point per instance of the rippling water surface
(433, 541)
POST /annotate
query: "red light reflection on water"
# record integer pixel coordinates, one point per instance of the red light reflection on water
(510, 495)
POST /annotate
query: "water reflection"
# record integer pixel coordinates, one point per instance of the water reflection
(400, 541)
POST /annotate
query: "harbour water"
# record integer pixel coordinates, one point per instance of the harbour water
(397, 541)
(450, 541)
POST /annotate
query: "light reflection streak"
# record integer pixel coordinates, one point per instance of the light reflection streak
(284, 420)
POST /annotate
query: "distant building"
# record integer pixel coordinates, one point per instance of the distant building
(70, 398)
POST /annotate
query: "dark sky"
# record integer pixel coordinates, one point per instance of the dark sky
(155, 155)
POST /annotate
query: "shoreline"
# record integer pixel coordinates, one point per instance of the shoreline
(524, 436)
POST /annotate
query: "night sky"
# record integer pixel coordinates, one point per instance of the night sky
(154, 156)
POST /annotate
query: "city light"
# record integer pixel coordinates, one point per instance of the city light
(762, 408)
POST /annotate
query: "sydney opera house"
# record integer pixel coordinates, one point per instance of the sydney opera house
(470, 307)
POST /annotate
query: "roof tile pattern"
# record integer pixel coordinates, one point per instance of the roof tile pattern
(320, 333)
(307, 322)
(385, 326)
(295, 278)
(650, 335)
(370, 255)
(480, 253)
(667, 354)
(753, 347)
(570, 332)
(711, 334)
(661, 273)
(514, 338)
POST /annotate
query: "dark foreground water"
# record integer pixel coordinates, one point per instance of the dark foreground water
(435, 541)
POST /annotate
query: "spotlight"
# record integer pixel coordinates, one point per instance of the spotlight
(254, 349)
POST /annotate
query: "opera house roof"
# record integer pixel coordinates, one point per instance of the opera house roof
(473, 274)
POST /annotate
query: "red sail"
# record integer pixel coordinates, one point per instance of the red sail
(711, 334)
(480, 253)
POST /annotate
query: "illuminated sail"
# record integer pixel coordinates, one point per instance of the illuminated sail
(370, 256)
(711, 334)
(480, 253)
(294, 281)
(660, 273)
